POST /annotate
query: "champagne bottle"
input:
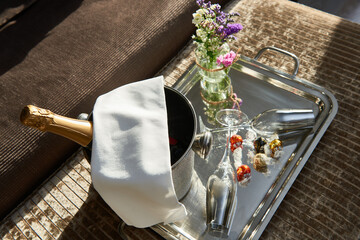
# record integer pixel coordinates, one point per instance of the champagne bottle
(79, 131)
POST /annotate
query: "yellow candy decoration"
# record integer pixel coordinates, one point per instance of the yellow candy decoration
(275, 146)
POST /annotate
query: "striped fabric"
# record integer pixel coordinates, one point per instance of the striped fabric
(324, 201)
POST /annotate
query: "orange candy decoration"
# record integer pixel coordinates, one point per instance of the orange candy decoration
(235, 141)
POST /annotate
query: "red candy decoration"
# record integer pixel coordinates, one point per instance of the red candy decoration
(235, 141)
(243, 172)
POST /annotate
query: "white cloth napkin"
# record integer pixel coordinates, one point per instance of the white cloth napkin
(130, 160)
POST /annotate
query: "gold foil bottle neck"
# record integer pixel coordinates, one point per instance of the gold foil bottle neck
(36, 117)
(79, 131)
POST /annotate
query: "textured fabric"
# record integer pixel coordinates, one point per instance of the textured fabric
(130, 159)
(61, 55)
(323, 202)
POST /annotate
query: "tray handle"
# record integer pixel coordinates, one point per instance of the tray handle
(293, 56)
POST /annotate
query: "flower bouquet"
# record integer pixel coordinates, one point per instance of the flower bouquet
(215, 29)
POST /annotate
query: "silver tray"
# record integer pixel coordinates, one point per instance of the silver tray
(261, 88)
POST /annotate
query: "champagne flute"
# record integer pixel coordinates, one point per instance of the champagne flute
(221, 186)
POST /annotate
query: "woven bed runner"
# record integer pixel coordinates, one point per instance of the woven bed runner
(323, 202)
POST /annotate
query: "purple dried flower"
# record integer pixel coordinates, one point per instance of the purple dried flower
(217, 8)
(211, 13)
(220, 30)
(200, 2)
(230, 38)
(215, 27)
(232, 29)
(235, 14)
(221, 20)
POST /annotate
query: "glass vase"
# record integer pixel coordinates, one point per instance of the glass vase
(215, 82)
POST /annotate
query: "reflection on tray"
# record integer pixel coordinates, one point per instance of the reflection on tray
(274, 160)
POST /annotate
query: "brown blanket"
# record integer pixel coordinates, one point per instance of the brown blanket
(61, 55)
(324, 201)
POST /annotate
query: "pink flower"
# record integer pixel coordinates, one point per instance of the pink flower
(232, 54)
(220, 60)
(226, 59)
(227, 62)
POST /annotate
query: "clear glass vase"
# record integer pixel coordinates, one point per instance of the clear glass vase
(215, 81)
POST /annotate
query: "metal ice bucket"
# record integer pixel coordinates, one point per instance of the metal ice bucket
(182, 125)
